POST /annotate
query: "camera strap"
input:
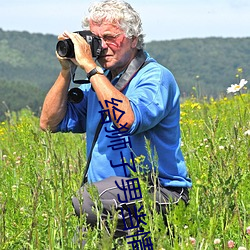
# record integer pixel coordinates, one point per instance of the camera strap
(136, 64)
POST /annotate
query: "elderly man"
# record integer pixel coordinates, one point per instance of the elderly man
(141, 100)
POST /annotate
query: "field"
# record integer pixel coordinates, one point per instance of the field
(40, 172)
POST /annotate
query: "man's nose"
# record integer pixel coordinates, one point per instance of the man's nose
(104, 44)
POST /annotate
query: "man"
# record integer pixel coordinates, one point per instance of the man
(141, 98)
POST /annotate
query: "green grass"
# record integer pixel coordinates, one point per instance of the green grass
(40, 172)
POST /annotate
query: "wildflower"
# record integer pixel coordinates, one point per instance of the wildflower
(230, 244)
(45, 216)
(195, 106)
(221, 147)
(237, 87)
(216, 241)
(240, 70)
(14, 188)
(242, 248)
(247, 133)
(248, 230)
(198, 182)
(137, 160)
(192, 240)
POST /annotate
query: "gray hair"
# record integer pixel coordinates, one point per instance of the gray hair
(120, 13)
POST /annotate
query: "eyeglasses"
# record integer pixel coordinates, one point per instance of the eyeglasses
(110, 38)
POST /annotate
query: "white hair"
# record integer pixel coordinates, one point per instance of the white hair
(120, 13)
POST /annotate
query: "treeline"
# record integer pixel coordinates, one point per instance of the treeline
(204, 67)
(28, 67)
(210, 64)
(16, 95)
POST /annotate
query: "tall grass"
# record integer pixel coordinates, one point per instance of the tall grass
(40, 172)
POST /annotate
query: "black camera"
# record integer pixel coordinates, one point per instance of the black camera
(65, 48)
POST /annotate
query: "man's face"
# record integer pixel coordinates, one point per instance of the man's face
(118, 50)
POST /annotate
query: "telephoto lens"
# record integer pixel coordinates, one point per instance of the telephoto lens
(65, 48)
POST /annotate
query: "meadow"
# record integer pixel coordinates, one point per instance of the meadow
(40, 172)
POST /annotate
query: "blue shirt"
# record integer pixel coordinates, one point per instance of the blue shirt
(154, 97)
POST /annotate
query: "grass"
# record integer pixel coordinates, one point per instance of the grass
(40, 172)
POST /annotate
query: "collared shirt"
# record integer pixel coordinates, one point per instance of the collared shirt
(154, 97)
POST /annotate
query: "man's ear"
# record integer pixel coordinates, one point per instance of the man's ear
(134, 42)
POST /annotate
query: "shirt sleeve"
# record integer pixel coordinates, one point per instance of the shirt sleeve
(75, 118)
(153, 97)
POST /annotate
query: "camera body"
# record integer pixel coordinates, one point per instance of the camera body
(65, 48)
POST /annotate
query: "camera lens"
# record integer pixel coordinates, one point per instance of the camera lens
(75, 95)
(65, 48)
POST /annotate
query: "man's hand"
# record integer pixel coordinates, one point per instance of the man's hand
(83, 54)
(66, 63)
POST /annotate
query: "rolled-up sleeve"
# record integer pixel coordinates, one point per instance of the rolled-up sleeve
(75, 117)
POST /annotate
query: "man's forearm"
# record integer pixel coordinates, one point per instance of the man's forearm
(55, 103)
(105, 91)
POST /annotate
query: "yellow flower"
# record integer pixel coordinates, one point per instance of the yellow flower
(195, 105)
(240, 70)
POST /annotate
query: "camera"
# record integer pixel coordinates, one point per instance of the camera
(65, 48)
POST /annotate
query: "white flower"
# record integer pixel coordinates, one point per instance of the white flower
(22, 210)
(246, 133)
(217, 241)
(242, 248)
(237, 87)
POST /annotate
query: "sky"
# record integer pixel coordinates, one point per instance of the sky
(162, 19)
